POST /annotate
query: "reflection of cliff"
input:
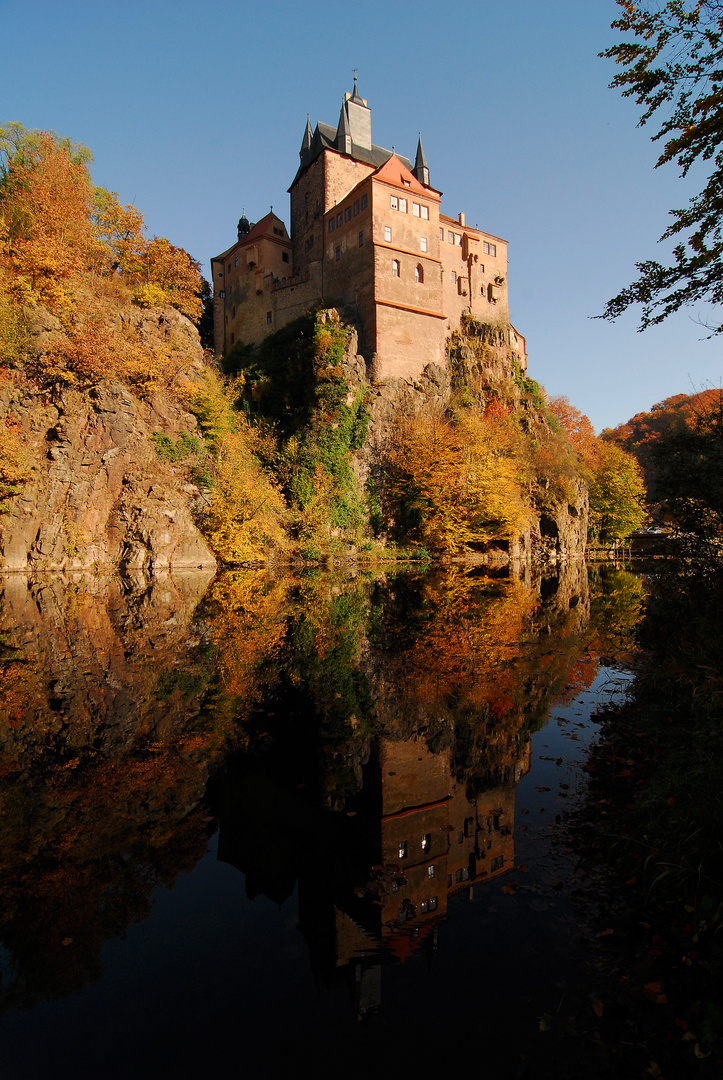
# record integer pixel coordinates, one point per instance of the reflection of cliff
(103, 768)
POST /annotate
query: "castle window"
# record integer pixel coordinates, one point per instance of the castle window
(269, 318)
(235, 262)
(356, 208)
(441, 232)
(454, 277)
(415, 209)
(364, 202)
(402, 849)
(388, 233)
(461, 875)
(430, 871)
(337, 253)
(222, 294)
(402, 206)
(424, 212)
(284, 256)
(458, 239)
(422, 243)
(347, 214)
(339, 220)
(497, 863)
(426, 841)
(489, 249)
(331, 224)
(419, 274)
(450, 236)
(395, 268)
(394, 202)
(361, 238)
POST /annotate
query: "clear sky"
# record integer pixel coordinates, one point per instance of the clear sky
(195, 110)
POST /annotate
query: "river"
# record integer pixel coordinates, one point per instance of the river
(275, 820)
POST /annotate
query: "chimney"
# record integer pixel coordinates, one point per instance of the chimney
(461, 219)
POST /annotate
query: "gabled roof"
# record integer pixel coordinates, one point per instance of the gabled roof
(395, 171)
(324, 138)
(261, 228)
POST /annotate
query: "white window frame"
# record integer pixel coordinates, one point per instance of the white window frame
(387, 234)
(422, 243)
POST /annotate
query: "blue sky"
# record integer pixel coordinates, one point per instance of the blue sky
(195, 110)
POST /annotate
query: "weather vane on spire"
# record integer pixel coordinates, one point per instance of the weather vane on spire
(354, 72)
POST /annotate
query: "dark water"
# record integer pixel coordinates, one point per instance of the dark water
(297, 821)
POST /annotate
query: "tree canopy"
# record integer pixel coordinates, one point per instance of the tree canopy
(673, 68)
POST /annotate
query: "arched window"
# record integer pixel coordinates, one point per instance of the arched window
(395, 267)
(419, 273)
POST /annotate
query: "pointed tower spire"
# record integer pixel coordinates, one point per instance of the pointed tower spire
(421, 169)
(343, 132)
(305, 150)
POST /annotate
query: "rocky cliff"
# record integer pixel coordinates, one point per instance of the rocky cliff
(480, 368)
(95, 493)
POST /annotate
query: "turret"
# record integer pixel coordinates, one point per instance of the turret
(421, 170)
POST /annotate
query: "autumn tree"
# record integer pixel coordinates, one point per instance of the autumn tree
(673, 67)
(455, 485)
(617, 495)
(46, 232)
(577, 428)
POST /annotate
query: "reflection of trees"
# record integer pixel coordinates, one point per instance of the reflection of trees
(103, 764)
(119, 702)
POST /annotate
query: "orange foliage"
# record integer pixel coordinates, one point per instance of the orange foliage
(48, 238)
(578, 429)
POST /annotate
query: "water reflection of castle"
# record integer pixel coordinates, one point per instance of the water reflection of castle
(374, 881)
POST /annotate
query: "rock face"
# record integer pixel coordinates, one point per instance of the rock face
(482, 364)
(96, 494)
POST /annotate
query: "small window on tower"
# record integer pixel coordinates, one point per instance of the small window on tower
(337, 253)
(415, 209)
(424, 212)
(331, 224)
(269, 318)
(450, 236)
(339, 220)
(347, 214)
(402, 206)
(394, 202)
(395, 267)
(388, 233)
(419, 273)
(422, 243)
(235, 262)
(361, 238)
(454, 277)
(356, 208)
(364, 202)
(284, 256)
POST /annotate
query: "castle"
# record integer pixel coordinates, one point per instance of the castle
(367, 232)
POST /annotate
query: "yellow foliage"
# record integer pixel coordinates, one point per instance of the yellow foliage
(246, 516)
(456, 483)
(14, 466)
